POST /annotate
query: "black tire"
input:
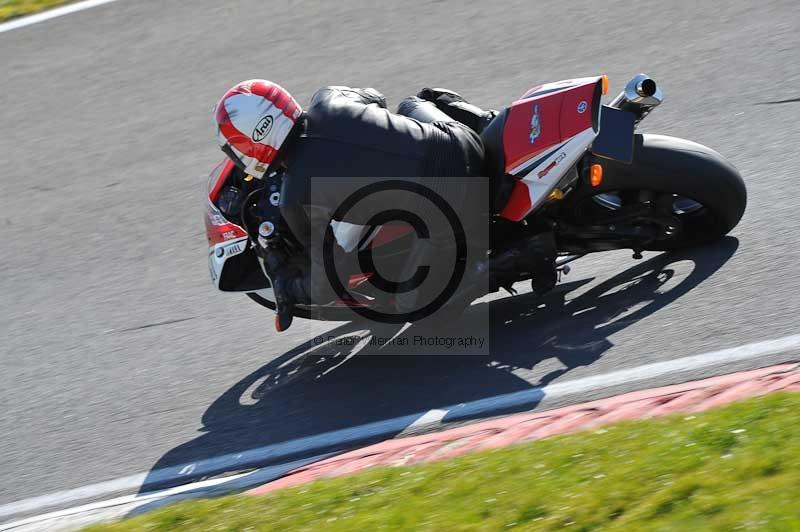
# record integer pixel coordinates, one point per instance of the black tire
(672, 165)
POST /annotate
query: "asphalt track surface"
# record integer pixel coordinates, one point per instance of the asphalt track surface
(117, 354)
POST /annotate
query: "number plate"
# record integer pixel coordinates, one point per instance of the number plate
(615, 140)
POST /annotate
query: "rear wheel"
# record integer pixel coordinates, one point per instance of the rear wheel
(670, 180)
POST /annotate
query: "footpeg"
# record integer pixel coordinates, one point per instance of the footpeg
(563, 270)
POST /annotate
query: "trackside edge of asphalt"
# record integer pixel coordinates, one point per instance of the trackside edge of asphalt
(51, 14)
(346, 438)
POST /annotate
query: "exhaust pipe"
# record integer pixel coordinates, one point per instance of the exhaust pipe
(641, 95)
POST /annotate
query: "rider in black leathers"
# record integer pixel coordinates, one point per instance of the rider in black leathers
(349, 133)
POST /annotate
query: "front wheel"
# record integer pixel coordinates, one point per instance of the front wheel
(678, 179)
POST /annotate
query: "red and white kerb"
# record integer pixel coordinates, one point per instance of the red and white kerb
(253, 120)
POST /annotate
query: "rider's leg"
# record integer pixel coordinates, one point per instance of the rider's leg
(306, 281)
(462, 184)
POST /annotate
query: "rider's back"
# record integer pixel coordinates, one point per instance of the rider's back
(350, 133)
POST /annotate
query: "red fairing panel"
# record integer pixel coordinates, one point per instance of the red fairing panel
(224, 172)
(546, 132)
(521, 128)
(519, 203)
(390, 232)
(536, 123)
(218, 228)
(572, 120)
(217, 234)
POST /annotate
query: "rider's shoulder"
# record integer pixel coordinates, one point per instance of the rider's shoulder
(326, 100)
(328, 93)
(341, 96)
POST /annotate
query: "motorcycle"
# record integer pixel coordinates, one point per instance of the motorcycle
(582, 173)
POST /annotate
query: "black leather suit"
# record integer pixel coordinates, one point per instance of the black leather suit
(349, 133)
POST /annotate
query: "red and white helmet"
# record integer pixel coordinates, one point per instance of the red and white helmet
(253, 120)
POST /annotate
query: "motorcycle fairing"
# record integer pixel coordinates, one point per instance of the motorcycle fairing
(545, 134)
(227, 240)
(218, 258)
(232, 264)
(218, 228)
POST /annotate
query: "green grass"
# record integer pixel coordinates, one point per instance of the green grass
(737, 467)
(16, 8)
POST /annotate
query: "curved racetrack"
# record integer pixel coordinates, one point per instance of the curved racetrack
(117, 354)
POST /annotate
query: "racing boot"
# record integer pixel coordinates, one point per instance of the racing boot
(289, 286)
(533, 258)
(289, 291)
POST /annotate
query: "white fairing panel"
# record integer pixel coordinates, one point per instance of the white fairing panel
(557, 86)
(347, 235)
(219, 253)
(542, 179)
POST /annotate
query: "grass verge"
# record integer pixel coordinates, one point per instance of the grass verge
(17, 8)
(734, 467)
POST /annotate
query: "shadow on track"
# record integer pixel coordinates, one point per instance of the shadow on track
(314, 389)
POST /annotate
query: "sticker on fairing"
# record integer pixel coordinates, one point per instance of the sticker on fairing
(220, 253)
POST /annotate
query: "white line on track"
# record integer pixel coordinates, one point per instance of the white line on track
(279, 454)
(130, 504)
(50, 14)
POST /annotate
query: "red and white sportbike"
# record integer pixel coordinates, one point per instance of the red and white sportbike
(583, 175)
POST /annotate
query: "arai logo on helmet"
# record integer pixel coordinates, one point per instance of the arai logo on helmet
(262, 128)
(582, 107)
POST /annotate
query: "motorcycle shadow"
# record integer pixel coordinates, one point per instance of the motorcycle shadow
(317, 388)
